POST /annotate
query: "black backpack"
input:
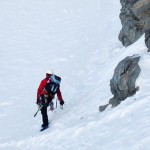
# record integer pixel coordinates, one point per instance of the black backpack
(54, 84)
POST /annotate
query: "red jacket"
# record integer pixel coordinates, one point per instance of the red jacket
(41, 90)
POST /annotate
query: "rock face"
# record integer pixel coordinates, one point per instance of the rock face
(135, 19)
(132, 28)
(141, 9)
(123, 82)
(147, 37)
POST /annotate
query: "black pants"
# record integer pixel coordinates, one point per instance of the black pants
(44, 115)
(45, 103)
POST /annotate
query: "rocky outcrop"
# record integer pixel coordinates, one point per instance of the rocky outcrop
(123, 82)
(135, 19)
(147, 36)
(141, 10)
(132, 28)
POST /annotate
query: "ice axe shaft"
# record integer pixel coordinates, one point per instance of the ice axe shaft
(39, 108)
(56, 102)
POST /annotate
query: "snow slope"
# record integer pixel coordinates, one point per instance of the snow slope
(78, 40)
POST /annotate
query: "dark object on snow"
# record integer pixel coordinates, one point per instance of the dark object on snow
(132, 28)
(124, 78)
(147, 35)
(44, 128)
(135, 19)
(141, 10)
(102, 108)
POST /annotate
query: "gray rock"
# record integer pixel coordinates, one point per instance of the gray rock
(135, 19)
(141, 10)
(102, 108)
(127, 2)
(123, 82)
(130, 32)
(132, 28)
(141, 7)
(147, 35)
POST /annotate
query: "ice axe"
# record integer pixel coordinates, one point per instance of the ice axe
(39, 108)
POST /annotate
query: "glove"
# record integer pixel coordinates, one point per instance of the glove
(37, 101)
(61, 102)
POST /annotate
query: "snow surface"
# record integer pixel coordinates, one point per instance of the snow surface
(78, 40)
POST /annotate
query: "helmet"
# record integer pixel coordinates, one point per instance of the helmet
(49, 71)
